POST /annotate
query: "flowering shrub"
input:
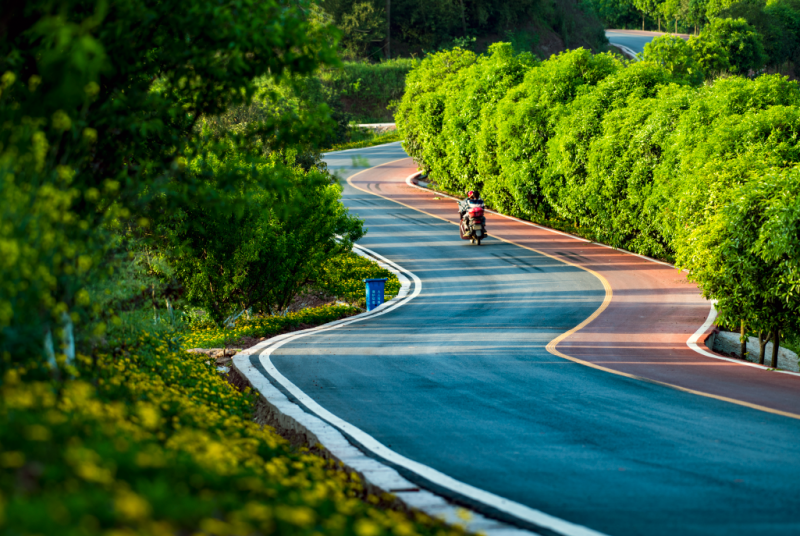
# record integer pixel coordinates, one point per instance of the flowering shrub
(156, 442)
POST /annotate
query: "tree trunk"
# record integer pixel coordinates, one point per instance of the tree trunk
(659, 23)
(762, 345)
(388, 29)
(676, 25)
(642, 19)
(463, 18)
(743, 342)
(776, 340)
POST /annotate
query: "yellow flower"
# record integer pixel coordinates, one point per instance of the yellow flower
(300, 516)
(367, 527)
(131, 506)
(12, 459)
(37, 432)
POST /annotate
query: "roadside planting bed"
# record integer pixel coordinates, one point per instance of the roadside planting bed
(150, 439)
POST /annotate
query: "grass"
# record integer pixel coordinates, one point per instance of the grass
(383, 81)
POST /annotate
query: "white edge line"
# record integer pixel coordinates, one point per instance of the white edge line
(337, 444)
(691, 342)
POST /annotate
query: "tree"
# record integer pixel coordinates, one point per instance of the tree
(646, 7)
(99, 110)
(743, 47)
(261, 255)
(674, 10)
(675, 55)
(746, 257)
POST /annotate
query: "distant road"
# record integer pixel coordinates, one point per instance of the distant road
(634, 40)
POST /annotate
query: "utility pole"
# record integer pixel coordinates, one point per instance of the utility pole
(388, 29)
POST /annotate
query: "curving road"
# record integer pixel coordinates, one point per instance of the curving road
(634, 40)
(621, 427)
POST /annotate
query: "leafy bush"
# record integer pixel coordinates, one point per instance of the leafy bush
(344, 276)
(633, 155)
(742, 46)
(778, 24)
(677, 57)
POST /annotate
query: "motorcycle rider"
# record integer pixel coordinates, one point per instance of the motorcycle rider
(473, 200)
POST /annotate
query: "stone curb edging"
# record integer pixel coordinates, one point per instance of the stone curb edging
(290, 420)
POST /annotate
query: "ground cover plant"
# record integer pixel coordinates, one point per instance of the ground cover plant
(207, 335)
(642, 156)
(154, 441)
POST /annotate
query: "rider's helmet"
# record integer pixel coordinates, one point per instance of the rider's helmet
(470, 194)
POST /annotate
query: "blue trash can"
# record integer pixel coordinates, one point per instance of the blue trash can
(375, 288)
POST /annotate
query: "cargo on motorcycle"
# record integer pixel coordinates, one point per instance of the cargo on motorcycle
(473, 221)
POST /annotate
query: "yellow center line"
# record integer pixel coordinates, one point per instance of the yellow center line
(551, 346)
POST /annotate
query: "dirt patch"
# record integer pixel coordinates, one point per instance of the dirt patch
(236, 380)
(311, 298)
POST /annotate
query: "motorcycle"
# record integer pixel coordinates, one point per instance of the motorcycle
(473, 222)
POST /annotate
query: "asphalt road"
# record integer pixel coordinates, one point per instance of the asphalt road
(460, 380)
(633, 39)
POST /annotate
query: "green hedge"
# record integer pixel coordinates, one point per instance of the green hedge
(626, 154)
